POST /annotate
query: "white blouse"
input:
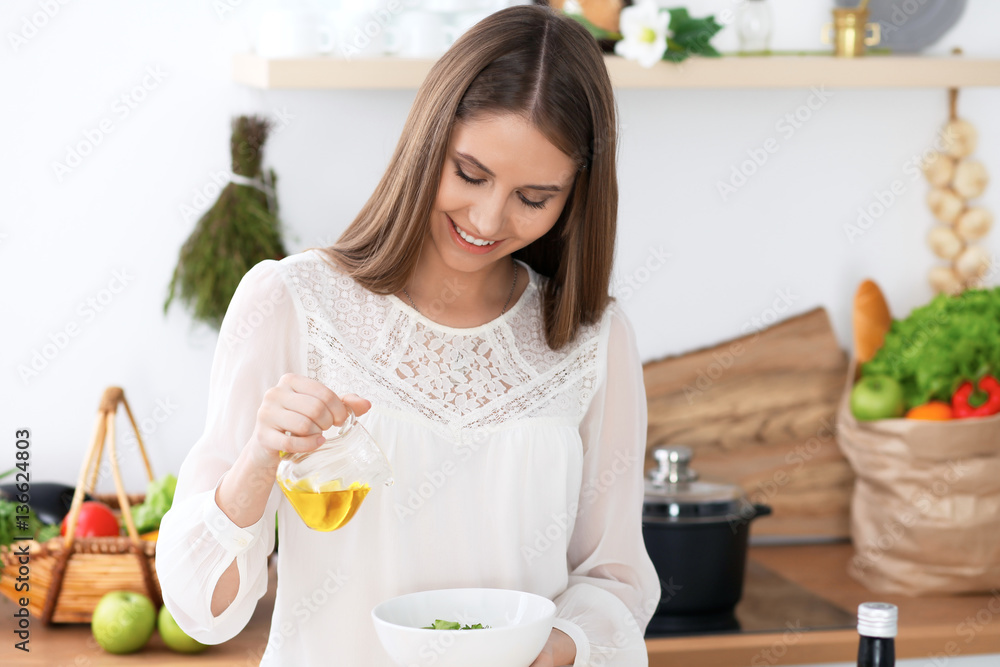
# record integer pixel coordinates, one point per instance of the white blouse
(515, 466)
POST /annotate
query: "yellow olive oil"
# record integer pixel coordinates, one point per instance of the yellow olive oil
(329, 507)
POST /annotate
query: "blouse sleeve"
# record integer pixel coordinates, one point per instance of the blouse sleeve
(258, 343)
(613, 587)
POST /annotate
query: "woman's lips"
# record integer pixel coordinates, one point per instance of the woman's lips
(465, 245)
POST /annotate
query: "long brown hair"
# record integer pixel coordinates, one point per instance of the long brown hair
(535, 62)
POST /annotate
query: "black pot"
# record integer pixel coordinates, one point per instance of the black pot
(696, 535)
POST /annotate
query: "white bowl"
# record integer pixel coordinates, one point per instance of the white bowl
(520, 624)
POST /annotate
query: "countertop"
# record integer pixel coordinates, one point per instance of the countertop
(928, 626)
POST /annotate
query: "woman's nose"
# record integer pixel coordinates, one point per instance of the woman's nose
(487, 216)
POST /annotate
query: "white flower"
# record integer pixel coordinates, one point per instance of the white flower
(644, 33)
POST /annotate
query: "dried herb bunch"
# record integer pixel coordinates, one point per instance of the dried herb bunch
(241, 229)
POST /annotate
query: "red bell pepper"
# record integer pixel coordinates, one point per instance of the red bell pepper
(962, 406)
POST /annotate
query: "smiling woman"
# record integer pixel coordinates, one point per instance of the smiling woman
(519, 101)
(467, 303)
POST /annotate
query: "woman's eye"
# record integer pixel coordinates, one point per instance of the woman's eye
(533, 204)
(465, 178)
(480, 181)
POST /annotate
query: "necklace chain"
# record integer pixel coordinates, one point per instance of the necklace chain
(509, 296)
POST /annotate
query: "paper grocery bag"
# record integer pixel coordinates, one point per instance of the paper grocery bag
(925, 513)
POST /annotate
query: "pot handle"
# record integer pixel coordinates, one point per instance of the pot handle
(761, 510)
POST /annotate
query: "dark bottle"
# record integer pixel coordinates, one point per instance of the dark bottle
(877, 627)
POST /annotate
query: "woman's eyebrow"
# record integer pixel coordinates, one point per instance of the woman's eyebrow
(480, 165)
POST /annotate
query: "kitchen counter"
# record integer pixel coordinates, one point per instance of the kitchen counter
(930, 626)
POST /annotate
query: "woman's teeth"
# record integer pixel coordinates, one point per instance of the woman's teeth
(471, 239)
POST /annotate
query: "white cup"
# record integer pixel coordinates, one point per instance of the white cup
(360, 30)
(419, 34)
(286, 33)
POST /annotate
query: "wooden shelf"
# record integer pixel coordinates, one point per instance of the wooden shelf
(873, 71)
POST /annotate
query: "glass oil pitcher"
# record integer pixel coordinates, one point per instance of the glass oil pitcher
(327, 485)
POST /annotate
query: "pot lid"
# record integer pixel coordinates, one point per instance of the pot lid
(673, 488)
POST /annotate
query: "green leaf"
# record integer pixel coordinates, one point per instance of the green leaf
(690, 36)
(678, 18)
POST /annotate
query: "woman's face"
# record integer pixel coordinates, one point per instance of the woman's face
(503, 185)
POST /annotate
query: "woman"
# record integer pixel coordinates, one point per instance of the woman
(465, 314)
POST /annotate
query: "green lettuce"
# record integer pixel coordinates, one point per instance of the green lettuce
(454, 625)
(942, 344)
(159, 497)
(14, 524)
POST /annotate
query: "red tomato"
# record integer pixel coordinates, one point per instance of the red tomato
(95, 520)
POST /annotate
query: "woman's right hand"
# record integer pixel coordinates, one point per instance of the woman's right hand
(303, 408)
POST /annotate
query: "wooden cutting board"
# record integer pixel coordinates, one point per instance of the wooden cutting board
(759, 411)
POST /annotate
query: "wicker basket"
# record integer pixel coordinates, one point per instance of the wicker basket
(68, 576)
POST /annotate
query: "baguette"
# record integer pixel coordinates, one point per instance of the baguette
(871, 320)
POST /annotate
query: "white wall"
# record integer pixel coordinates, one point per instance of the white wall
(62, 241)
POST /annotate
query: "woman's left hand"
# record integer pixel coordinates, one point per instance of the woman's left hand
(558, 651)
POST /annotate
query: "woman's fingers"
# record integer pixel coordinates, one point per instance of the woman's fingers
(299, 409)
(315, 389)
(358, 404)
(303, 414)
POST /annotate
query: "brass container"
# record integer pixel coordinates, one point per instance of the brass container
(850, 32)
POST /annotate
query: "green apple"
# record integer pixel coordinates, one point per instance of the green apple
(123, 621)
(174, 637)
(877, 397)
